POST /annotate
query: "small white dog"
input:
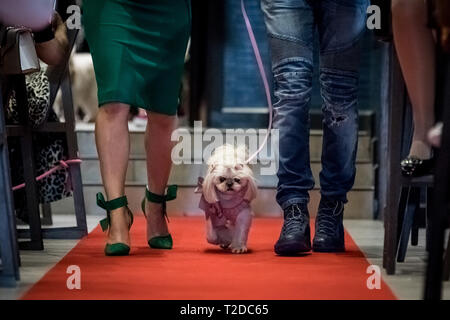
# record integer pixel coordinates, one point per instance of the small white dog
(227, 191)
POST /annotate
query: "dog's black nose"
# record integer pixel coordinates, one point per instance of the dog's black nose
(229, 184)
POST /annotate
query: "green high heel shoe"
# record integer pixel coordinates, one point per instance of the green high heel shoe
(114, 249)
(160, 242)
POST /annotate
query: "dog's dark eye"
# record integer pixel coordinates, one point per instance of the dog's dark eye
(237, 180)
(222, 179)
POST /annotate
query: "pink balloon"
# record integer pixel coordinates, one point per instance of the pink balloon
(34, 14)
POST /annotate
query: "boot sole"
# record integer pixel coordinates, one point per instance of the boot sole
(289, 249)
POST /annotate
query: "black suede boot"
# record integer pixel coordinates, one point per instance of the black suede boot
(329, 235)
(295, 235)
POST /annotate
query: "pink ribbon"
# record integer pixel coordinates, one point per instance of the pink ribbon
(62, 165)
(262, 73)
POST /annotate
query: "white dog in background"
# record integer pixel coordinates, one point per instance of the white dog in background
(227, 190)
(84, 89)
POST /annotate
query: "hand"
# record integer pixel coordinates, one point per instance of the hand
(53, 52)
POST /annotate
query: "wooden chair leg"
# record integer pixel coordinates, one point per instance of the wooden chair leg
(401, 208)
(47, 219)
(439, 210)
(447, 261)
(413, 200)
(415, 236)
(396, 103)
(72, 144)
(391, 233)
(29, 171)
(9, 253)
(419, 220)
(428, 218)
(436, 231)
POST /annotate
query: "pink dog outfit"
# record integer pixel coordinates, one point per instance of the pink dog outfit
(226, 209)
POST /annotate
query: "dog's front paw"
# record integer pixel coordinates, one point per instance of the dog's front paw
(239, 249)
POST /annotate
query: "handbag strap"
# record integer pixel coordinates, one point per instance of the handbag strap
(11, 36)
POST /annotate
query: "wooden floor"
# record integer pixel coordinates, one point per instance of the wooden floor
(368, 234)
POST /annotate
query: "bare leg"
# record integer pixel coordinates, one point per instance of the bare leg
(415, 47)
(113, 147)
(158, 147)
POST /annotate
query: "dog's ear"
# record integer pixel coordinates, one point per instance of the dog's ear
(252, 189)
(209, 188)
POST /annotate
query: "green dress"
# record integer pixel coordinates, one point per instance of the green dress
(138, 49)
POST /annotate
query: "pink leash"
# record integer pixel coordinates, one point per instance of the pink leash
(262, 72)
(62, 164)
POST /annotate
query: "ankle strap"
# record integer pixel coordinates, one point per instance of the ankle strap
(153, 197)
(170, 195)
(112, 204)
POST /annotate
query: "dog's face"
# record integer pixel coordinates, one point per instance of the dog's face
(230, 179)
(228, 173)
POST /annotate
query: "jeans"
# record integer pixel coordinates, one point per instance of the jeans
(291, 27)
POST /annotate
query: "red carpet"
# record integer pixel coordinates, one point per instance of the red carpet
(197, 270)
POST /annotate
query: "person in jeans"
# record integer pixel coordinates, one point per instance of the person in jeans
(291, 27)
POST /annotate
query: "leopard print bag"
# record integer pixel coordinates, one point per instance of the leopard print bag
(49, 148)
(38, 94)
(57, 185)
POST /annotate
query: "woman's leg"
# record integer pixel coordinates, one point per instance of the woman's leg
(113, 147)
(415, 45)
(158, 146)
